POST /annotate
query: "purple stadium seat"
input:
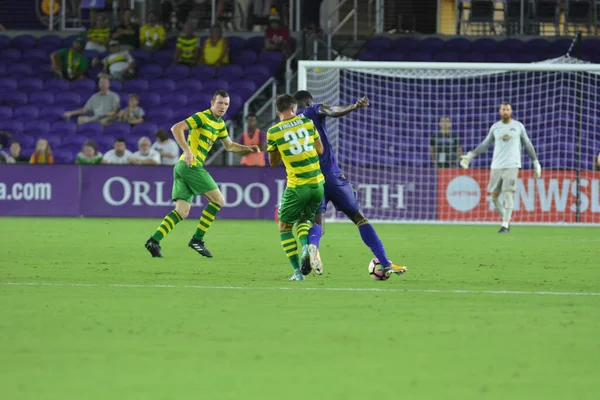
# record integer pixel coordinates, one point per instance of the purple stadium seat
(104, 141)
(381, 44)
(231, 72)
(5, 112)
(25, 113)
(68, 99)
(10, 54)
(150, 71)
(369, 55)
(511, 46)
(471, 57)
(56, 85)
(257, 72)
(124, 99)
(216, 84)
(28, 141)
(159, 114)
(55, 140)
(4, 42)
(142, 57)
(405, 45)
(177, 72)
(67, 42)
(136, 85)
(236, 44)
(446, 57)
(245, 57)
(561, 45)
(12, 127)
(524, 58)
(484, 46)
(162, 85)
(497, 58)
(117, 129)
(431, 45)
(256, 43)
(2, 69)
(419, 56)
(94, 127)
(203, 73)
(188, 85)
(13, 98)
(64, 156)
(243, 84)
(36, 126)
(88, 85)
(76, 141)
(458, 45)
(174, 100)
(536, 46)
(19, 69)
(272, 58)
(30, 85)
(35, 55)
(144, 129)
(49, 42)
(389, 56)
(64, 127)
(8, 84)
(23, 42)
(149, 99)
(52, 113)
(199, 100)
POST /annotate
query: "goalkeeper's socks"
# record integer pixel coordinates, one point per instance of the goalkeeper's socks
(499, 206)
(314, 235)
(370, 238)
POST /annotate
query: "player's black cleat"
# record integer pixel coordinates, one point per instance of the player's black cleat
(504, 230)
(199, 246)
(153, 247)
(305, 268)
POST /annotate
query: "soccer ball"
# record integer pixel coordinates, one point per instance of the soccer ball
(376, 271)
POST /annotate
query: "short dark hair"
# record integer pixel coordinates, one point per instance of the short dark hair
(250, 115)
(303, 96)
(161, 135)
(284, 102)
(16, 141)
(92, 144)
(120, 140)
(221, 93)
(134, 96)
(505, 103)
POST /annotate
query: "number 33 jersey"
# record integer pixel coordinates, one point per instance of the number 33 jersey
(295, 138)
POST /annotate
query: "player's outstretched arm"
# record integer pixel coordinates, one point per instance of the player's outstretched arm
(233, 147)
(537, 168)
(340, 111)
(465, 160)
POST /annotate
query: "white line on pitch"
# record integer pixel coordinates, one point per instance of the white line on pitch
(299, 288)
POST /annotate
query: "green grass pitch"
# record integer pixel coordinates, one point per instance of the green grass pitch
(86, 313)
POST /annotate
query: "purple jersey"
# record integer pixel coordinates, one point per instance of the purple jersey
(327, 160)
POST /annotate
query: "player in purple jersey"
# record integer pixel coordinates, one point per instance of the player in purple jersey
(337, 188)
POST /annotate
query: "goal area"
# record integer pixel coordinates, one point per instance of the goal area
(403, 163)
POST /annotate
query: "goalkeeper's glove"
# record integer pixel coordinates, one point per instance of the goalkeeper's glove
(537, 169)
(466, 159)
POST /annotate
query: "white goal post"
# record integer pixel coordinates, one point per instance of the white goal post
(401, 153)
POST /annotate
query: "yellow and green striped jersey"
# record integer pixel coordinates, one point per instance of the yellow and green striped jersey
(205, 129)
(187, 46)
(295, 139)
(98, 35)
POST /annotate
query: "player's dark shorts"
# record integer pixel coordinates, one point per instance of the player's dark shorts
(341, 194)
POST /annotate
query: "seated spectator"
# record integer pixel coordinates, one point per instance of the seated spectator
(118, 155)
(215, 50)
(89, 154)
(277, 36)
(145, 155)
(444, 146)
(152, 35)
(15, 153)
(70, 63)
(97, 37)
(4, 139)
(5, 158)
(42, 154)
(188, 45)
(253, 136)
(133, 114)
(166, 147)
(119, 64)
(127, 33)
(103, 105)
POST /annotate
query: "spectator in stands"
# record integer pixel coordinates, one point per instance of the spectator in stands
(98, 36)
(215, 50)
(166, 147)
(118, 155)
(277, 36)
(145, 155)
(5, 158)
(133, 114)
(70, 63)
(253, 136)
(103, 105)
(444, 146)
(119, 64)
(188, 46)
(42, 154)
(89, 154)
(152, 35)
(181, 8)
(15, 153)
(4, 139)
(127, 33)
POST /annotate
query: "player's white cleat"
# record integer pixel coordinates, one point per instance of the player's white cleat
(297, 276)
(394, 269)
(315, 259)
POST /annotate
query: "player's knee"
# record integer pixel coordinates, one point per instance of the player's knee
(284, 226)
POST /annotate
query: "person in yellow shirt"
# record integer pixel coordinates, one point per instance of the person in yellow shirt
(152, 35)
(215, 50)
(188, 45)
(97, 37)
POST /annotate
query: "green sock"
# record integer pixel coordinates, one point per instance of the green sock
(167, 225)
(302, 232)
(206, 219)
(288, 241)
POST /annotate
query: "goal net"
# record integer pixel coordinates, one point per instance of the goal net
(402, 152)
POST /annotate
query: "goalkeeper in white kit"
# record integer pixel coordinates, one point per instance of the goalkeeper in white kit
(507, 136)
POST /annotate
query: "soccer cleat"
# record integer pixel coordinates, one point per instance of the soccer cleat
(153, 247)
(305, 259)
(297, 276)
(394, 269)
(504, 230)
(315, 259)
(199, 246)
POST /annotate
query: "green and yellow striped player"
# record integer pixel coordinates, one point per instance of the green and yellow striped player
(189, 176)
(295, 140)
